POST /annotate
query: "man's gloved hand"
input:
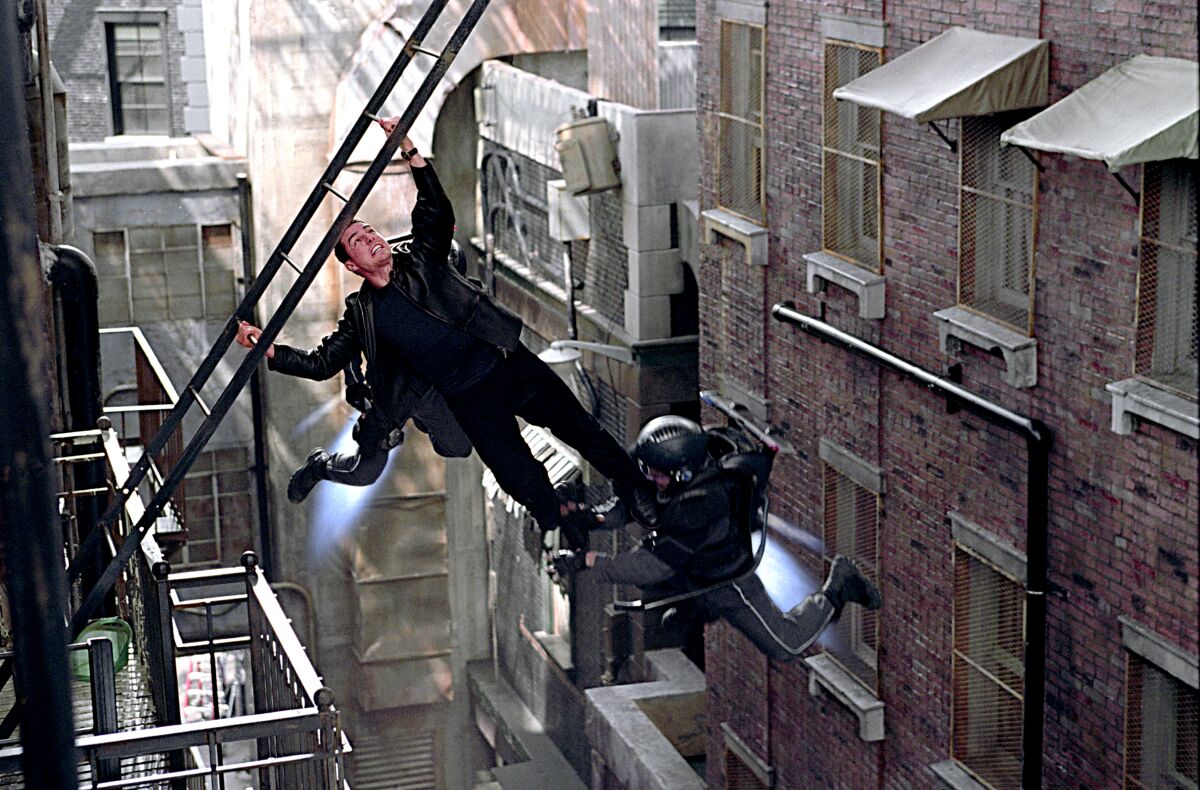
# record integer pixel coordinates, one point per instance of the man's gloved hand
(566, 563)
(358, 395)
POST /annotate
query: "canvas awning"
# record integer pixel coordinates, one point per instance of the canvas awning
(959, 73)
(1143, 110)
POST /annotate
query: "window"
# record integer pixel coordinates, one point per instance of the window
(852, 171)
(1166, 311)
(166, 273)
(852, 528)
(137, 78)
(741, 164)
(988, 671)
(1161, 736)
(997, 190)
(219, 508)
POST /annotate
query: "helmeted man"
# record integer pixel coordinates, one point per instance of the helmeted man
(696, 543)
(422, 326)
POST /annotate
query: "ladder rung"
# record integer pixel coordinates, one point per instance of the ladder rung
(290, 262)
(424, 51)
(329, 188)
(203, 407)
(372, 116)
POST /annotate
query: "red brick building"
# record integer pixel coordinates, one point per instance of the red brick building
(1051, 290)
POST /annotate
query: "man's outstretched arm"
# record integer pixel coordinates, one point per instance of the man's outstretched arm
(433, 215)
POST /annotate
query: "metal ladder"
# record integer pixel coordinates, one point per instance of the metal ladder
(189, 397)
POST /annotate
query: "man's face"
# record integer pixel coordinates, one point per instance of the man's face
(661, 479)
(369, 252)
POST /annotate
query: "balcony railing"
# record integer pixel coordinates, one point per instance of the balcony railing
(126, 349)
(287, 734)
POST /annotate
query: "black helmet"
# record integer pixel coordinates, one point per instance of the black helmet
(671, 444)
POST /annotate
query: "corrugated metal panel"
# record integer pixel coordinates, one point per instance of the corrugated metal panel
(623, 52)
(409, 763)
(677, 75)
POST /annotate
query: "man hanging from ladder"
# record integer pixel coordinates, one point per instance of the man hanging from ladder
(421, 325)
(695, 544)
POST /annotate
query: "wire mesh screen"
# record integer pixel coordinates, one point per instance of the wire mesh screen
(740, 121)
(996, 225)
(852, 171)
(852, 528)
(738, 775)
(1166, 322)
(989, 672)
(1161, 737)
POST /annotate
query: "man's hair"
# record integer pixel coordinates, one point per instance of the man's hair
(339, 250)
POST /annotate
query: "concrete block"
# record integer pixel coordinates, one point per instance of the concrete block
(189, 18)
(192, 69)
(868, 286)
(667, 150)
(197, 93)
(655, 273)
(647, 317)
(1135, 397)
(646, 227)
(957, 326)
(719, 222)
(193, 43)
(196, 120)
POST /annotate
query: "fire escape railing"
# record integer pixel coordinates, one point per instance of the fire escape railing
(292, 738)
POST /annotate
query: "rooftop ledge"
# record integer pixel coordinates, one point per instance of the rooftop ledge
(1137, 397)
(957, 326)
(825, 673)
(867, 285)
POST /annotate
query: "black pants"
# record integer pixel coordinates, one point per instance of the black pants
(524, 386)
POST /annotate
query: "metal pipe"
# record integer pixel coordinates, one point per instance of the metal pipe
(257, 404)
(1038, 441)
(28, 523)
(54, 193)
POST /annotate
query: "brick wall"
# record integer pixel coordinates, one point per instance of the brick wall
(78, 49)
(1122, 509)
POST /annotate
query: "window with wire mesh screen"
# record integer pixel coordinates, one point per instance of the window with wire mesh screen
(997, 193)
(1161, 736)
(744, 769)
(137, 78)
(1166, 309)
(220, 508)
(166, 273)
(851, 170)
(988, 671)
(851, 514)
(741, 174)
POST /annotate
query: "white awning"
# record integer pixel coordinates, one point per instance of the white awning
(1144, 110)
(959, 73)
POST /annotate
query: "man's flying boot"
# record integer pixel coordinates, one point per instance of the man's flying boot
(846, 584)
(307, 476)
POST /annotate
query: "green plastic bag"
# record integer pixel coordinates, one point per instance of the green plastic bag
(116, 631)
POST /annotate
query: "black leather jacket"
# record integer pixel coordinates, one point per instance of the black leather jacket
(424, 276)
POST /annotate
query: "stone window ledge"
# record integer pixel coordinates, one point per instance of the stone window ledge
(1135, 397)
(825, 673)
(955, 777)
(751, 236)
(957, 326)
(1171, 659)
(867, 285)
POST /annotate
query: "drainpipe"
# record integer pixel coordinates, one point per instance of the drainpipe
(73, 278)
(257, 408)
(29, 526)
(1038, 441)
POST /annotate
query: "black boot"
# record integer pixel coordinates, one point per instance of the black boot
(307, 476)
(846, 584)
